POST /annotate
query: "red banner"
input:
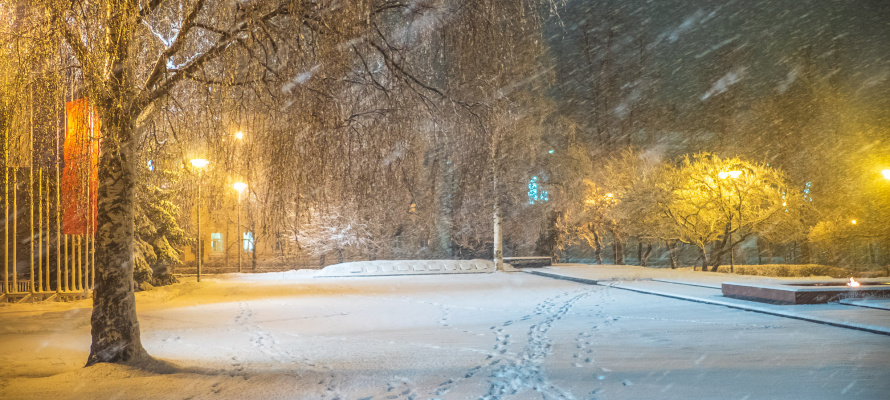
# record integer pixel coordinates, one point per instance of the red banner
(81, 173)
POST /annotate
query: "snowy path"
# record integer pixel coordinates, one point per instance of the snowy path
(497, 336)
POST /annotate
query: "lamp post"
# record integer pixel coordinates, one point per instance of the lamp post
(199, 163)
(239, 186)
(724, 175)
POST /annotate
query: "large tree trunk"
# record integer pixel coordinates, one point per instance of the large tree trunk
(704, 258)
(645, 261)
(597, 243)
(672, 249)
(115, 330)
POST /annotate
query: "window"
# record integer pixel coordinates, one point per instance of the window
(216, 243)
(248, 241)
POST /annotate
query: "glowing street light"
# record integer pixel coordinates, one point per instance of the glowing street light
(239, 135)
(853, 222)
(199, 163)
(729, 174)
(886, 174)
(239, 186)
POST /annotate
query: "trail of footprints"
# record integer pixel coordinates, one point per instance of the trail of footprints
(266, 343)
(508, 373)
(512, 373)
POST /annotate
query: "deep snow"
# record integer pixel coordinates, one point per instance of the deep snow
(496, 336)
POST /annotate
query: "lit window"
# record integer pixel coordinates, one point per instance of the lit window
(248, 241)
(216, 243)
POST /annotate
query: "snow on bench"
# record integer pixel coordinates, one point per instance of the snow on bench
(406, 267)
(528, 262)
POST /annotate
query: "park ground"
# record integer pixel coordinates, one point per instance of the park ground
(482, 336)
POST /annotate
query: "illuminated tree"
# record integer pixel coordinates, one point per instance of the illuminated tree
(706, 200)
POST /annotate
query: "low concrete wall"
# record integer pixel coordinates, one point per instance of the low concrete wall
(406, 267)
(529, 262)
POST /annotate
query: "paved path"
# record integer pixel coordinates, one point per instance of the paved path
(870, 316)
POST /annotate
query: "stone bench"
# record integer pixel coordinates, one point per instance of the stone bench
(529, 262)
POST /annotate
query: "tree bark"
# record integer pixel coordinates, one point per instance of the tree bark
(618, 247)
(598, 245)
(645, 261)
(704, 258)
(671, 249)
(115, 329)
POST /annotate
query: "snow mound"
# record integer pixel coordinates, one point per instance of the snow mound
(406, 267)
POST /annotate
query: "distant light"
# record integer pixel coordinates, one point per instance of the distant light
(729, 174)
(609, 195)
(886, 173)
(240, 186)
(151, 165)
(784, 204)
(551, 151)
(239, 135)
(200, 162)
(853, 222)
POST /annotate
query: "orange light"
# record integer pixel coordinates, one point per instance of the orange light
(853, 222)
(852, 283)
(240, 186)
(239, 135)
(200, 162)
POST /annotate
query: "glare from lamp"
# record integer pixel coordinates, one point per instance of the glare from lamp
(886, 173)
(239, 135)
(240, 186)
(729, 174)
(853, 222)
(200, 163)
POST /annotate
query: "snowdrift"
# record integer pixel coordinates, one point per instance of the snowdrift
(406, 267)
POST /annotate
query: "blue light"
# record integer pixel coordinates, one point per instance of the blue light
(151, 165)
(551, 151)
(534, 194)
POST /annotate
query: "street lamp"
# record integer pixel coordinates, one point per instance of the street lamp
(733, 175)
(199, 163)
(886, 174)
(239, 186)
(239, 135)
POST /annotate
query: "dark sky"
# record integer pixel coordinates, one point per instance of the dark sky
(684, 35)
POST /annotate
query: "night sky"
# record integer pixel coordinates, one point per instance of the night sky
(684, 36)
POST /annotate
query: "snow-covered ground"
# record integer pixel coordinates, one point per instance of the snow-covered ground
(492, 336)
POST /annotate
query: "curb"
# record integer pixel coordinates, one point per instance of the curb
(847, 325)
